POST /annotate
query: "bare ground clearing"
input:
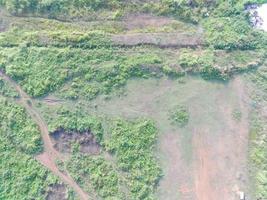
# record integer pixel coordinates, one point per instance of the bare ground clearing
(140, 21)
(207, 159)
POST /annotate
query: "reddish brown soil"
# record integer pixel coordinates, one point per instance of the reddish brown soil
(63, 141)
(218, 168)
(57, 192)
(220, 164)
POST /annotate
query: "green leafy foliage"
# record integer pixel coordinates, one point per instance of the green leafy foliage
(54, 7)
(18, 129)
(6, 90)
(21, 176)
(232, 33)
(202, 62)
(179, 116)
(132, 143)
(258, 147)
(76, 121)
(96, 171)
(88, 72)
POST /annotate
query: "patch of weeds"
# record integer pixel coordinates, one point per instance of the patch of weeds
(179, 116)
(7, 90)
(132, 143)
(97, 171)
(237, 115)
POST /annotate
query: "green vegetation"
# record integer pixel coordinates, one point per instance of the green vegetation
(237, 115)
(203, 63)
(258, 146)
(18, 129)
(132, 143)
(21, 176)
(232, 33)
(179, 116)
(75, 121)
(6, 90)
(95, 172)
(55, 7)
(131, 165)
(75, 57)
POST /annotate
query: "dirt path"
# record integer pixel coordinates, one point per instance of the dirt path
(50, 155)
(220, 164)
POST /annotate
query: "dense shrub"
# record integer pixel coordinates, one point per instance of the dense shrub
(6, 90)
(133, 143)
(232, 33)
(54, 7)
(18, 129)
(179, 116)
(21, 176)
(76, 121)
(96, 171)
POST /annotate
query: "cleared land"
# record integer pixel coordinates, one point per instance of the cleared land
(208, 157)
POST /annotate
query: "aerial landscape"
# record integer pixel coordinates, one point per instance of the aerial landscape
(133, 99)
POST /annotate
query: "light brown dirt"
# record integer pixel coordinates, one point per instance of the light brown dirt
(176, 183)
(140, 21)
(220, 163)
(50, 155)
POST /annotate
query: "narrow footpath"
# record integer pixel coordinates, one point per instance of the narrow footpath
(50, 155)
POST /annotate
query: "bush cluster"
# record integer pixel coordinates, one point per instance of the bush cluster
(21, 176)
(133, 143)
(179, 115)
(96, 171)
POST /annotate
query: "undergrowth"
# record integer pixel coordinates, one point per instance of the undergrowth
(21, 176)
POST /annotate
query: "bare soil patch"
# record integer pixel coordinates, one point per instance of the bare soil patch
(140, 21)
(159, 39)
(57, 192)
(63, 141)
(220, 158)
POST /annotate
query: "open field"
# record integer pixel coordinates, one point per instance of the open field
(208, 157)
(132, 100)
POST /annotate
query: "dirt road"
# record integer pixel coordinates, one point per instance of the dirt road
(50, 155)
(220, 164)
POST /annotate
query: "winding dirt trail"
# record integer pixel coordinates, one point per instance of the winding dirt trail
(50, 155)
